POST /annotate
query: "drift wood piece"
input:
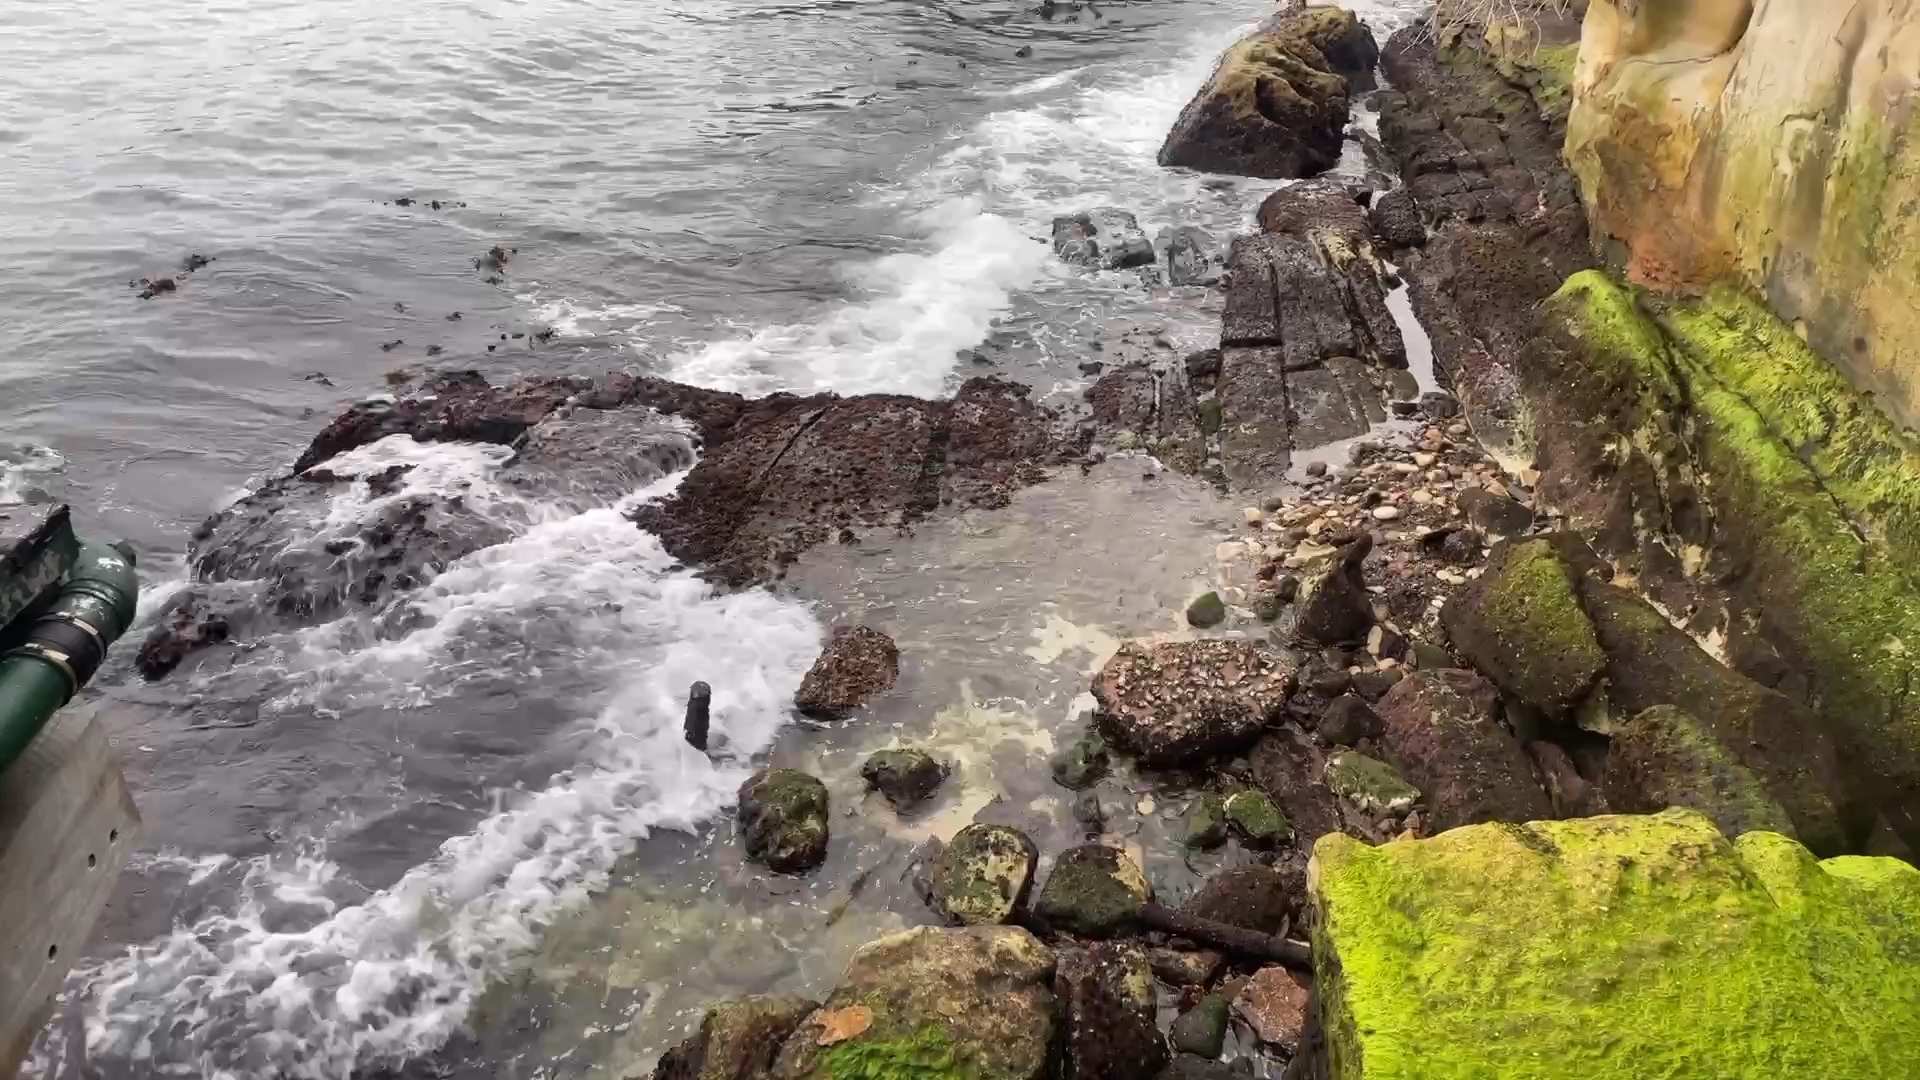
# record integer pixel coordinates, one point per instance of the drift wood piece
(1234, 939)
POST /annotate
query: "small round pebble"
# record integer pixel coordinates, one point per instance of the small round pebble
(1386, 513)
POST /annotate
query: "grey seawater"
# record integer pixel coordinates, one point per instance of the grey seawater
(478, 847)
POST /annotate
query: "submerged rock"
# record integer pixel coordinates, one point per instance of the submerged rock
(1183, 701)
(972, 1002)
(1443, 733)
(905, 776)
(783, 818)
(1466, 953)
(1276, 105)
(983, 875)
(1663, 757)
(1081, 764)
(737, 1040)
(858, 663)
(1206, 821)
(1193, 257)
(1522, 624)
(1105, 239)
(1093, 890)
(1106, 993)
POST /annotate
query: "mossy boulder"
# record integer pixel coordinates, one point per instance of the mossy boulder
(1093, 890)
(1372, 786)
(939, 1004)
(1276, 105)
(1650, 662)
(1256, 820)
(1664, 757)
(783, 819)
(1082, 763)
(1182, 702)
(1106, 996)
(905, 776)
(737, 1040)
(1521, 623)
(1206, 821)
(1613, 947)
(983, 875)
(1443, 733)
(1206, 610)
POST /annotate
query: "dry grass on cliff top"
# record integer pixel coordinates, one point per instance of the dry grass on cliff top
(1451, 17)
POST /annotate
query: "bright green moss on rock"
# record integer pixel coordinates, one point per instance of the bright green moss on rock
(1521, 623)
(1614, 948)
(922, 1052)
(1258, 821)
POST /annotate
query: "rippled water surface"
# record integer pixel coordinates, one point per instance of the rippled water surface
(478, 847)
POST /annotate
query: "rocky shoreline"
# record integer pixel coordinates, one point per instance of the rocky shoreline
(1489, 612)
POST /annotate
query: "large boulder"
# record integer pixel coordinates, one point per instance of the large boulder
(1443, 733)
(1104, 239)
(1106, 994)
(1276, 105)
(858, 663)
(737, 1040)
(973, 1002)
(983, 875)
(1650, 662)
(783, 819)
(1663, 757)
(1522, 624)
(1177, 702)
(1611, 948)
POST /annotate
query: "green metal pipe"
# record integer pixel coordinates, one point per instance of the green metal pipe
(65, 645)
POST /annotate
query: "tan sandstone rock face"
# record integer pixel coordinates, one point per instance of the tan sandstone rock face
(1772, 144)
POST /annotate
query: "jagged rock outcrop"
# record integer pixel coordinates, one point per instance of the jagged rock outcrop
(1276, 105)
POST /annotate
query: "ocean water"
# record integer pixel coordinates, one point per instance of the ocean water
(354, 832)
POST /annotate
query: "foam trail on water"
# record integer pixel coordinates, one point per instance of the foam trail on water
(236, 994)
(921, 309)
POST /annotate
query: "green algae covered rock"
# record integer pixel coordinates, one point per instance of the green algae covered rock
(1081, 764)
(983, 875)
(1093, 890)
(1369, 784)
(932, 1004)
(1206, 821)
(1664, 757)
(1521, 623)
(1256, 819)
(783, 818)
(1614, 948)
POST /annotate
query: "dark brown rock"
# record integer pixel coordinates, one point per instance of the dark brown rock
(1396, 220)
(1275, 106)
(737, 1040)
(1572, 796)
(1496, 514)
(1106, 994)
(1288, 769)
(1334, 604)
(1186, 701)
(905, 776)
(858, 663)
(1663, 757)
(1346, 721)
(1266, 899)
(1444, 736)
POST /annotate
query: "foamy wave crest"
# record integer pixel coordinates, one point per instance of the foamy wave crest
(20, 467)
(922, 308)
(238, 994)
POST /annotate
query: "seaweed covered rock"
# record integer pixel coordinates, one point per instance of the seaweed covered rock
(1442, 731)
(944, 1004)
(737, 1040)
(905, 776)
(1105, 239)
(1613, 948)
(858, 663)
(1664, 757)
(983, 875)
(1205, 821)
(1106, 995)
(1370, 785)
(1276, 105)
(1178, 702)
(1521, 623)
(1082, 763)
(783, 819)
(1256, 820)
(1093, 890)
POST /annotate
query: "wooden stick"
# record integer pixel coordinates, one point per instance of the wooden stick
(1234, 939)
